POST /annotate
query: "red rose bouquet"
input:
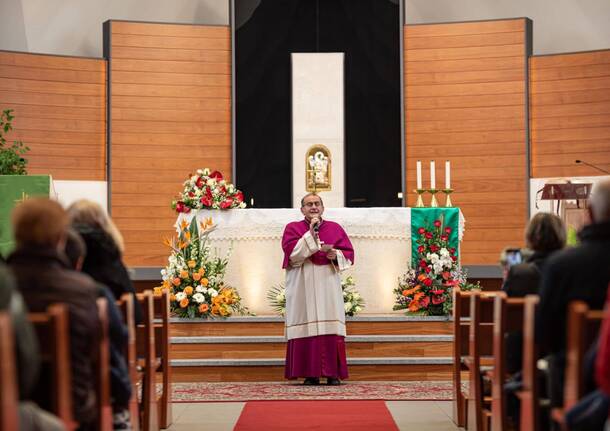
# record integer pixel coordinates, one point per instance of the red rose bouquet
(427, 287)
(206, 190)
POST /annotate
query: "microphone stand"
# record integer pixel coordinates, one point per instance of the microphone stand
(592, 166)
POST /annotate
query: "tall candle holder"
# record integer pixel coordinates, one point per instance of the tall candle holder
(447, 192)
(420, 201)
(433, 202)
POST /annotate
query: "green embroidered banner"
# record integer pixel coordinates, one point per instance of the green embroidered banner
(15, 189)
(425, 217)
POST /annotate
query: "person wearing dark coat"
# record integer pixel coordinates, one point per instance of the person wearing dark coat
(27, 358)
(104, 244)
(579, 273)
(120, 384)
(44, 277)
(544, 235)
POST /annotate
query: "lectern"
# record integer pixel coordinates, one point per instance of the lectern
(571, 201)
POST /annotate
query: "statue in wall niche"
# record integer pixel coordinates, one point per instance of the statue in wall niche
(317, 169)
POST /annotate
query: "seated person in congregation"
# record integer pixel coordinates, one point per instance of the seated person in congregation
(577, 273)
(120, 385)
(27, 358)
(44, 277)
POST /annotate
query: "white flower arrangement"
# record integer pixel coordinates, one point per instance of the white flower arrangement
(352, 300)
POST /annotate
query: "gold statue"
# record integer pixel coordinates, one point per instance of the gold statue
(317, 169)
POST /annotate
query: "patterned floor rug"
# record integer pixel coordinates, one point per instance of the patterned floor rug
(389, 391)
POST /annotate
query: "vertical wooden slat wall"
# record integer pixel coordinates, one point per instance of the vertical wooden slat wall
(170, 114)
(570, 113)
(465, 101)
(60, 112)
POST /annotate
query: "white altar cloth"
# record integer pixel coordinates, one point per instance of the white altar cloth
(381, 239)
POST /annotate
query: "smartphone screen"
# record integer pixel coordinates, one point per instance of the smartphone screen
(513, 257)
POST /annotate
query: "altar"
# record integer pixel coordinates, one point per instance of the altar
(381, 239)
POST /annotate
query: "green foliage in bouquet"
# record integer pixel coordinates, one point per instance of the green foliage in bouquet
(194, 276)
(11, 156)
(427, 287)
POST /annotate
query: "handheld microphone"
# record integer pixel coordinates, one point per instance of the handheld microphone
(593, 166)
(316, 227)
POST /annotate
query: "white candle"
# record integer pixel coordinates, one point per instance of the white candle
(419, 174)
(432, 175)
(251, 202)
(447, 174)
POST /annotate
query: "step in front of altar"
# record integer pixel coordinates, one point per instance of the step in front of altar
(387, 347)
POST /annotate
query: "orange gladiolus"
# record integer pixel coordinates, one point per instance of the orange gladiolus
(414, 306)
(188, 290)
(405, 292)
(215, 309)
(196, 276)
(157, 291)
(176, 281)
(184, 303)
(166, 284)
(203, 308)
(421, 277)
(191, 263)
(205, 282)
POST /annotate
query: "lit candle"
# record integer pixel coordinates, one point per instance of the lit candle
(419, 174)
(251, 202)
(432, 175)
(447, 174)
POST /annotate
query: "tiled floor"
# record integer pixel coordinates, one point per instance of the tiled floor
(408, 415)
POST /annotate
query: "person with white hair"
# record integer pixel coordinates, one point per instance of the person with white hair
(577, 273)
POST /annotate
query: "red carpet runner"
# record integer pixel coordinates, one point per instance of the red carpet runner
(316, 415)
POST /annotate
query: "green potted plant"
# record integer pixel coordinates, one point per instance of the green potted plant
(12, 161)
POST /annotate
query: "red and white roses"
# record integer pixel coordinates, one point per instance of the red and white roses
(208, 190)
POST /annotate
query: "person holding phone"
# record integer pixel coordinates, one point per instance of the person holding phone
(316, 250)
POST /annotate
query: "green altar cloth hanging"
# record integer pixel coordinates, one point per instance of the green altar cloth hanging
(13, 190)
(425, 217)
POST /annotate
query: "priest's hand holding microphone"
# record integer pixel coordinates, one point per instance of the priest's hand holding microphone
(314, 228)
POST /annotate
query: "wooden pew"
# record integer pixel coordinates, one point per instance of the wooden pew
(162, 350)
(508, 317)
(583, 327)
(479, 360)
(126, 307)
(9, 397)
(461, 311)
(147, 362)
(102, 383)
(529, 395)
(54, 342)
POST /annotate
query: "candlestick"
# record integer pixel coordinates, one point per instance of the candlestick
(419, 175)
(447, 192)
(432, 175)
(433, 201)
(447, 174)
(420, 201)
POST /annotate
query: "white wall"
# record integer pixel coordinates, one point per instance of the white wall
(74, 27)
(558, 25)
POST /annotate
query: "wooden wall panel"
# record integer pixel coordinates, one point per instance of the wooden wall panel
(60, 112)
(170, 110)
(465, 101)
(570, 113)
